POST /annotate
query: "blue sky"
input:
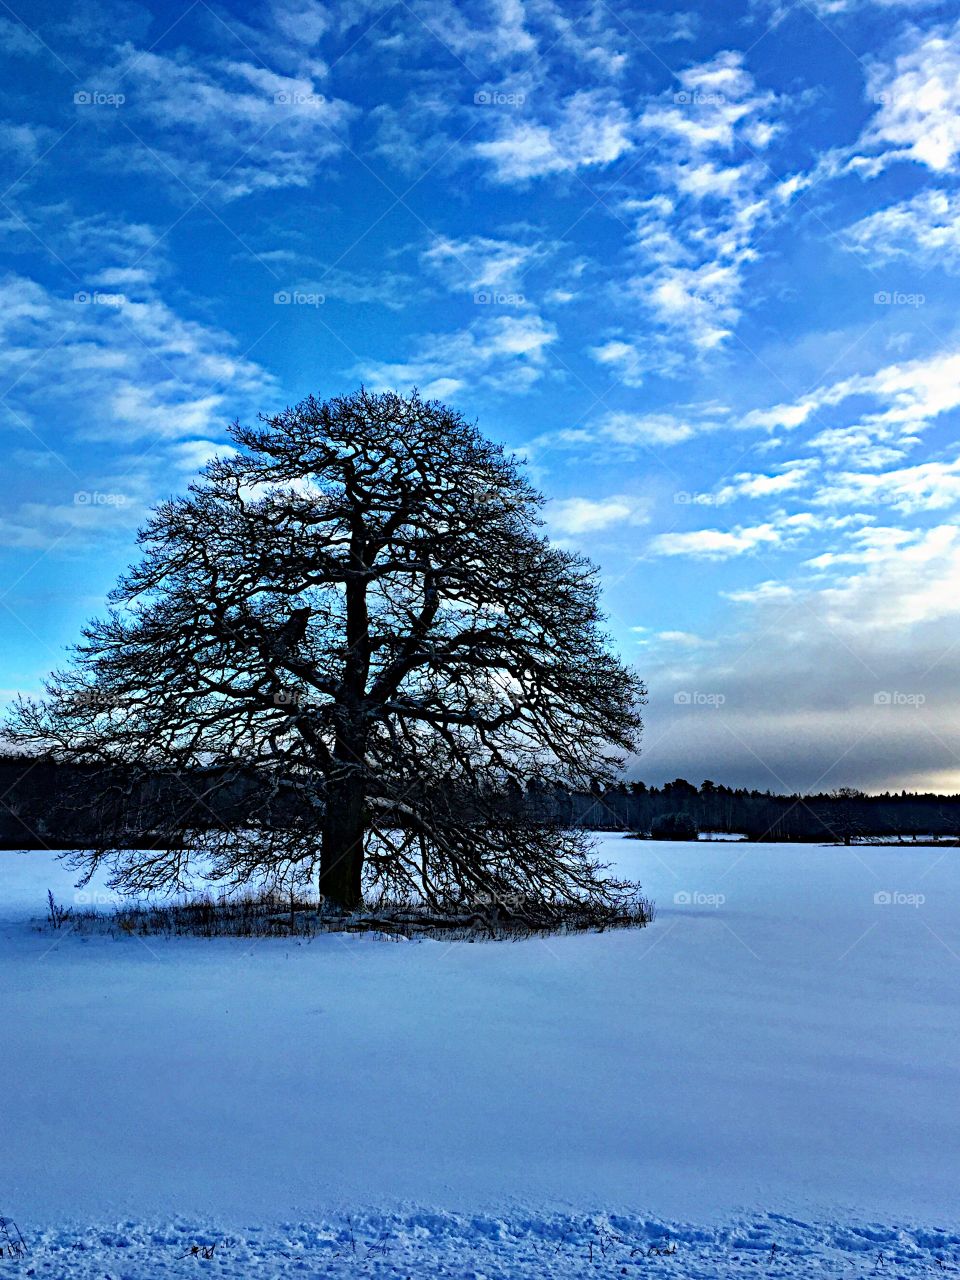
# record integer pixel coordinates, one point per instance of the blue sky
(698, 265)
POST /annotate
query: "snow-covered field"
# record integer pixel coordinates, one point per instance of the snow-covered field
(767, 1077)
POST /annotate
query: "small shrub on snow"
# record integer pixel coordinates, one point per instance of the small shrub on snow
(268, 914)
(675, 826)
(56, 914)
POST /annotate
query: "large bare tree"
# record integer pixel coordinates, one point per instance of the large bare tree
(358, 608)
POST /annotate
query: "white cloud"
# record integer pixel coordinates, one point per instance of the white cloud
(394, 290)
(303, 22)
(590, 129)
(130, 371)
(226, 128)
(22, 142)
(713, 544)
(684, 639)
(695, 238)
(504, 36)
(481, 262)
(840, 8)
(923, 229)
(926, 487)
(648, 428)
(909, 397)
(18, 40)
(547, 86)
(623, 359)
(714, 98)
(73, 526)
(885, 578)
(788, 477)
(190, 455)
(720, 544)
(700, 302)
(918, 96)
(863, 542)
(587, 515)
(507, 353)
(903, 580)
(769, 592)
(629, 434)
(708, 180)
(845, 677)
(414, 136)
(98, 249)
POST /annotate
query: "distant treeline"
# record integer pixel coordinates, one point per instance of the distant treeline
(842, 815)
(48, 805)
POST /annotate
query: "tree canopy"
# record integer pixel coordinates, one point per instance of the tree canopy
(359, 605)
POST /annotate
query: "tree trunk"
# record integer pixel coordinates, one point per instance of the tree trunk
(341, 851)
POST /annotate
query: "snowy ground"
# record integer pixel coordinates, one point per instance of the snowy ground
(774, 1062)
(431, 1243)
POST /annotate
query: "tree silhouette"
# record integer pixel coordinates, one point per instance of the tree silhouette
(359, 606)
